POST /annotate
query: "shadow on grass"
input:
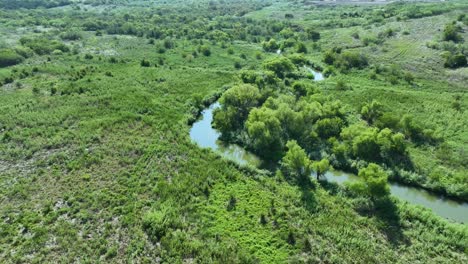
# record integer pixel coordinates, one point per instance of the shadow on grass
(332, 187)
(308, 196)
(387, 212)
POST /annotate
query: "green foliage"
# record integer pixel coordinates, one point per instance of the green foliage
(312, 34)
(32, 4)
(205, 50)
(236, 104)
(301, 47)
(9, 57)
(280, 66)
(374, 182)
(97, 165)
(296, 164)
(270, 46)
(320, 167)
(345, 60)
(71, 35)
(455, 61)
(159, 222)
(372, 111)
(451, 33)
(43, 46)
(264, 128)
(145, 63)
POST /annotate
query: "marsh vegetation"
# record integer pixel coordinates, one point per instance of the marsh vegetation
(98, 99)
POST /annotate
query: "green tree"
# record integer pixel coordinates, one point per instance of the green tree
(264, 130)
(451, 33)
(329, 127)
(312, 34)
(372, 111)
(280, 66)
(320, 167)
(9, 57)
(374, 181)
(270, 46)
(296, 164)
(301, 47)
(236, 104)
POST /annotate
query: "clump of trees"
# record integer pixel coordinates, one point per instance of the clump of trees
(32, 4)
(454, 53)
(345, 60)
(312, 34)
(281, 66)
(236, 104)
(44, 46)
(451, 33)
(71, 35)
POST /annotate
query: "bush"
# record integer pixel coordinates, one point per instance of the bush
(451, 33)
(455, 61)
(145, 63)
(71, 35)
(205, 50)
(270, 46)
(9, 57)
(43, 46)
(312, 34)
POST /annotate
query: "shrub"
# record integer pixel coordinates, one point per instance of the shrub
(9, 57)
(71, 35)
(451, 33)
(43, 46)
(270, 46)
(145, 63)
(312, 34)
(455, 61)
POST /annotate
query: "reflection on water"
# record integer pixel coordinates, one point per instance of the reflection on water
(207, 137)
(318, 76)
(440, 205)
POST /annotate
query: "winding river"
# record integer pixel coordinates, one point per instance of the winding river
(206, 136)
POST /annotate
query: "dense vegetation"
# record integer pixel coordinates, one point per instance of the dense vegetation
(96, 164)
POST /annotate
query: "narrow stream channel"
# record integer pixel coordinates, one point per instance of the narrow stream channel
(206, 136)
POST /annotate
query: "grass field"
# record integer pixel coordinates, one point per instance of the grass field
(96, 163)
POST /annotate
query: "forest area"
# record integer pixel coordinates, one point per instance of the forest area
(241, 131)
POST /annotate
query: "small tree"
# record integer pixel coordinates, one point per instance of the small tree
(321, 167)
(236, 105)
(270, 46)
(301, 47)
(296, 163)
(374, 183)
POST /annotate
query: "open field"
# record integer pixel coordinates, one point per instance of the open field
(97, 98)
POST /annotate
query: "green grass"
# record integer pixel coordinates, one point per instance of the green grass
(81, 169)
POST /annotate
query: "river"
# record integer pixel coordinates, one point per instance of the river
(206, 136)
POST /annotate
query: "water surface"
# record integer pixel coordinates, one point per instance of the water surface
(318, 76)
(207, 137)
(440, 205)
